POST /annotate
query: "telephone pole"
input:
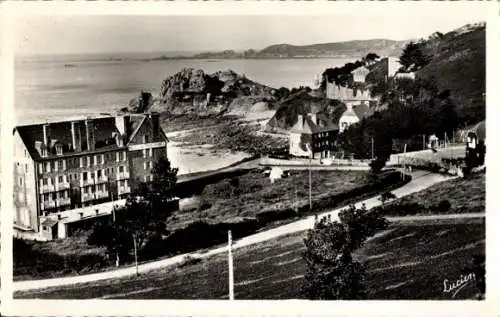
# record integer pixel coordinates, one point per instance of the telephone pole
(230, 265)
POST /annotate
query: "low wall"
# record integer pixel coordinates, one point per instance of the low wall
(316, 163)
(452, 152)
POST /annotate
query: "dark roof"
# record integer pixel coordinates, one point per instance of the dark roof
(49, 222)
(104, 132)
(322, 124)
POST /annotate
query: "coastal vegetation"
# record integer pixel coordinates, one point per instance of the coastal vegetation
(332, 273)
(243, 205)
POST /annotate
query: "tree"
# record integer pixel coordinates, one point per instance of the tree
(414, 54)
(332, 273)
(143, 217)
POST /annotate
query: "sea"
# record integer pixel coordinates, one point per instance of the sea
(53, 88)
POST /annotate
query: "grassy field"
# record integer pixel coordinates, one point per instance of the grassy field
(403, 262)
(253, 193)
(244, 206)
(462, 194)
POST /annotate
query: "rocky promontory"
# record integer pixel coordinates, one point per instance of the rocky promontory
(192, 91)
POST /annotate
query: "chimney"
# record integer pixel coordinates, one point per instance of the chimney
(76, 137)
(89, 129)
(123, 125)
(313, 118)
(46, 134)
(155, 119)
(300, 122)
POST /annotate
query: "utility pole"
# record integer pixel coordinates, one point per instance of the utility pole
(230, 265)
(310, 194)
(135, 255)
(372, 149)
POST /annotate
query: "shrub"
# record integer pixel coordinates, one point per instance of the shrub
(377, 165)
(332, 273)
(443, 206)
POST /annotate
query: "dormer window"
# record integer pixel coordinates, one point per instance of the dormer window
(44, 152)
(59, 150)
(146, 139)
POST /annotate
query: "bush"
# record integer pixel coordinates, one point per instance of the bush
(377, 165)
(443, 206)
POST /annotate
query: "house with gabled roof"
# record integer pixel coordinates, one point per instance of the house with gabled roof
(354, 114)
(70, 171)
(313, 136)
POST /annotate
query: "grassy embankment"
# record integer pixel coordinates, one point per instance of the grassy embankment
(244, 206)
(407, 261)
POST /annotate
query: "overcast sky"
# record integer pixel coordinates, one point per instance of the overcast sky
(103, 34)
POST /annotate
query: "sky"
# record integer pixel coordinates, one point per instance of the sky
(80, 34)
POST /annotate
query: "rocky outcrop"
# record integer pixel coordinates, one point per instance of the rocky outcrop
(194, 91)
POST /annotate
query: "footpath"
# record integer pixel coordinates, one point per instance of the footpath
(420, 181)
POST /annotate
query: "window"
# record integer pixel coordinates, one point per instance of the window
(85, 176)
(59, 149)
(45, 197)
(54, 197)
(124, 156)
(99, 187)
(44, 181)
(86, 190)
(95, 160)
(70, 176)
(20, 181)
(150, 164)
(146, 138)
(150, 152)
(40, 167)
(145, 165)
(75, 176)
(25, 153)
(112, 170)
(144, 153)
(47, 166)
(44, 152)
(121, 169)
(60, 179)
(99, 174)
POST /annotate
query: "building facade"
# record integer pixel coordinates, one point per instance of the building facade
(68, 172)
(313, 136)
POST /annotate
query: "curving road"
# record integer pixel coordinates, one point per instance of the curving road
(420, 181)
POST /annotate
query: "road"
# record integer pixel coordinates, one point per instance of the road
(420, 180)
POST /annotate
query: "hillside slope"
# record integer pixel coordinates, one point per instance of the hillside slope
(303, 103)
(459, 66)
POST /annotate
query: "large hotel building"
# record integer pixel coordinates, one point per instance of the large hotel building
(68, 173)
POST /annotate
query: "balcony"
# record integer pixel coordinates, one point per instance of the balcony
(47, 188)
(87, 182)
(62, 186)
(123, 175)
(101, 194)
(87, 197)
(123, 190)
(102, 179)
(63, 202)
(48, 204)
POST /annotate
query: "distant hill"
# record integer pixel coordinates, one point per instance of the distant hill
(382, 47)
(459, 66)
